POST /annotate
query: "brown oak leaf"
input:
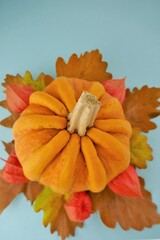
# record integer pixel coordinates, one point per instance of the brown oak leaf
(48, 79)
(129, 212)
(54, 213)
(9, 121)
(8, 146)
(4, 104)
(88, 66)
(141, 105)
(9, 191)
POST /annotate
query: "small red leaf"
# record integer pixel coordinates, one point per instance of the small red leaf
(12, 171)
(116, 88)
(126, 183)
(78, 207)
(17, 96)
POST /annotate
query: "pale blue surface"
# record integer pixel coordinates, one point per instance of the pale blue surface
(34, 33)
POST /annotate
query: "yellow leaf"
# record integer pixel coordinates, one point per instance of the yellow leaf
(88, 66)
(37, 85)
(140, 149)
(54, 213)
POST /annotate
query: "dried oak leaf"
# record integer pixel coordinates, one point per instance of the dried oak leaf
(54, 213)
(4, 104)
(9, 121)
(88, 66)
(141, 105)
(9, 191)
(140, 149)
(129, 212)
(8, 146)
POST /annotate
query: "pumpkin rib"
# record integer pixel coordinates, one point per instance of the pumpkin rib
(37, 109)
(39, 159)
(111, 108)
(96, 89)
(59, 174)
(64, 92)
(112, 145)
(38, 121)
(81, 173)
(114, 126)
(96, 179)
(112, 165)
(48, 101)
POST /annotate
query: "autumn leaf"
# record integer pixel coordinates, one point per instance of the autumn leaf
(129, 212)
(4, 104)
(37, 85)
(9, 191)
(48, 79)
(32, 190)
(140, 149)
(54, 213)
(10, 120)
(88, 66)
(8, 146)
(140, 106)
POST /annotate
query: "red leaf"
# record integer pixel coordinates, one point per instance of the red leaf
(12, 171)
(78, 207)
(17, 96)
(126, 183)
(116, 88)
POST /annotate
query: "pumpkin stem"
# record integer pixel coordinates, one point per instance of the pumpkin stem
(84, 113)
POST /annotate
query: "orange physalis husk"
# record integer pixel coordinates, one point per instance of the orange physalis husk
(12, 171)
(78, 207)
(126, 183)
(116, 88)
(17, 95)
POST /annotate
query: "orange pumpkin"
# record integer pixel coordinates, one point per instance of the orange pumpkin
(71, 141)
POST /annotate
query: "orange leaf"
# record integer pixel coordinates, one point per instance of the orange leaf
(140, 106)
(88, 66)
(8, 146)
(9, 121)
(9, 191)
(127, 183)
(116, 88)
(129, 212)
(4, 104)
(48, 79)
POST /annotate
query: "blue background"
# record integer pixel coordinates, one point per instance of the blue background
(34, 33)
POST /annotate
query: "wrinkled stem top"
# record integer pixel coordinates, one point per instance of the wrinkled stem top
(84, 114)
